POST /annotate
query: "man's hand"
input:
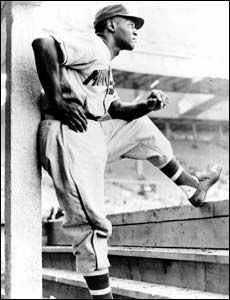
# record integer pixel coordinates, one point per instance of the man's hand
(73, 115)
(71, 111)
(157, 100)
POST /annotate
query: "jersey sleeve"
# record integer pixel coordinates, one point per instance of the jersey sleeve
(110, 99)
(77, 52)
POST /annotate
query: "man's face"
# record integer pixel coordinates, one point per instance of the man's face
(125, 33)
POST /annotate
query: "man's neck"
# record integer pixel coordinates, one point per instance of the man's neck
(110, 43)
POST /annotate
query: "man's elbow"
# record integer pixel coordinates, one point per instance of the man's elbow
(41, 44)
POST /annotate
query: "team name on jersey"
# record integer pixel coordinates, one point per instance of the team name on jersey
(98, 77)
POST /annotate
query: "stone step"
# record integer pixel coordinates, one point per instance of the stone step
(64, 284)
(172, 227)
(198, 255)
(205, 270)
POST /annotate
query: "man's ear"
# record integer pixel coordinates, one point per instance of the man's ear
(111, 25)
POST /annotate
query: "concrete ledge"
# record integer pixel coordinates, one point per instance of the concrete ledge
(196, 255)
(207, 233)
(175, 213)
(131, 288)
(173, 227)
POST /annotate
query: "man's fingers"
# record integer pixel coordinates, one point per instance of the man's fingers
(165, 101)
(162, 97)
(72, 126)
(78, 119)
(78, 125)
(154, 94)
(152, 101)
(165, 98)
(78, 113)
(82, 114)
(75, 124)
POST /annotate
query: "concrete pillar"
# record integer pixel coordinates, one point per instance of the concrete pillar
(23, 178)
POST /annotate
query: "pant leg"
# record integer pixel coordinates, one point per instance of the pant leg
(138, 139)
(76, 163)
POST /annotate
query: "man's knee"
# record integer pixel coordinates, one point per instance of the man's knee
(167, 152)
(158, 138)
(164, 154)
(161, 146)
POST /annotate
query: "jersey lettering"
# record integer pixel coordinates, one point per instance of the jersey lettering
(98, 77)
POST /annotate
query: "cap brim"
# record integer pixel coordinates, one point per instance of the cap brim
(139, 22)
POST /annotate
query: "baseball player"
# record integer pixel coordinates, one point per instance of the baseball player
(75, 143)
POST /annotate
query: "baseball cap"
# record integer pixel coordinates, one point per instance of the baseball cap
(116, 10)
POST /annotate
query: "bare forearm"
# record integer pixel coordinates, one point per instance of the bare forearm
(128, 112)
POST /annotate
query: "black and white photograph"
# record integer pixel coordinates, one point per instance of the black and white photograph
(114, 149)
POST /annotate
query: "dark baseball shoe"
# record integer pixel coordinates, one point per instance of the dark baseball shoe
(205, 182)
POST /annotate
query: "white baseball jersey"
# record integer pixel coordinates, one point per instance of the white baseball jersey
(86, 71)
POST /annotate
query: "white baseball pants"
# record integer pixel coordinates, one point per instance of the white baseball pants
(76, 162)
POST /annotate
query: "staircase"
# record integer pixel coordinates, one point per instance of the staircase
(168, 253)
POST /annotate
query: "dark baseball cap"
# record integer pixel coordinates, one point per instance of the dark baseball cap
(116, 10)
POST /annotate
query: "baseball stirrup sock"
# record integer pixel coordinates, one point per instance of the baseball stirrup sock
(98, 284)
(183, 179)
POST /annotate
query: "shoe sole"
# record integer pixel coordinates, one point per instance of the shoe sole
(217, 178)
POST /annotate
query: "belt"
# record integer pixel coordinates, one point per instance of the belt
(88, 116)
(49, 117)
